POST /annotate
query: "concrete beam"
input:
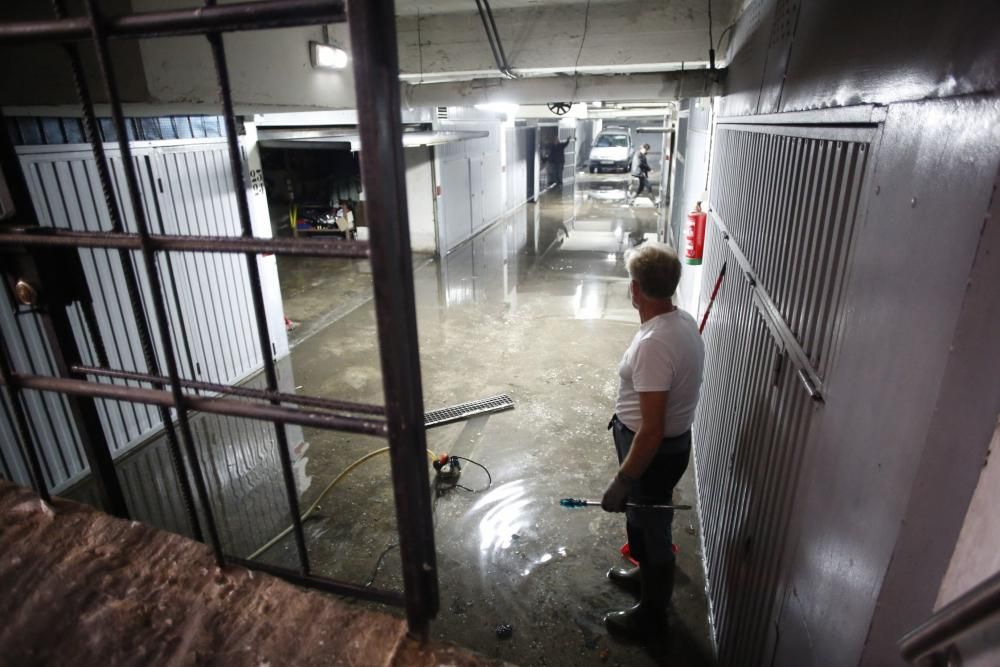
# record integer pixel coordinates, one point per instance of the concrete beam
(663, 87)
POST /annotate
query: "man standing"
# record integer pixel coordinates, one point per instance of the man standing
(640, 170)
(555, 159)
(659, 384)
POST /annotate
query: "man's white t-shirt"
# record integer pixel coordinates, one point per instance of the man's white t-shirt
(667, 354)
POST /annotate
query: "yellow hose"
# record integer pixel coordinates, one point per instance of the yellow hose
(329, 487)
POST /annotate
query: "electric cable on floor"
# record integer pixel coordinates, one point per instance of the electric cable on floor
(489, 477)
(439, 490)
(378, 563)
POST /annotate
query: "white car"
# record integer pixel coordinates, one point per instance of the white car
(611, 151)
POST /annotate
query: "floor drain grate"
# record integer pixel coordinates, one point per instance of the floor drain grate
(465, 410)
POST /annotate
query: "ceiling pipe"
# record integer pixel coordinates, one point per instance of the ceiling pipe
(662, 87)
(493, 35)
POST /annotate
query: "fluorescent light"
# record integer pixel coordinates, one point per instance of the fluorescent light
(325, 56)
(499, 107)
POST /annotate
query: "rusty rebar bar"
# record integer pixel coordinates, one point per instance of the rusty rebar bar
(159, 242)
(152, 274)
(246, 392)
(177, 22)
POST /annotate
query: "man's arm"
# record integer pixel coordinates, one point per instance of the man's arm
(652, 407)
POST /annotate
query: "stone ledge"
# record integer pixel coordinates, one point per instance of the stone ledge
(81, 587)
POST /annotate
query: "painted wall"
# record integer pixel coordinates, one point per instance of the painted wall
(267, 69)
(690, 175)
(977, 553)
(895, 51)
(260, 220)
(43, 76)
(885, 468)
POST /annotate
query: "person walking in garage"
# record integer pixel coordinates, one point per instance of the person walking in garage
(640, 170)
(659, 385)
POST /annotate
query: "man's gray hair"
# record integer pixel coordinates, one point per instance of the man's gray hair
(656, 268)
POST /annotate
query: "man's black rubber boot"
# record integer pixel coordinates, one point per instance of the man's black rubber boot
(628, 579)
(649, 617)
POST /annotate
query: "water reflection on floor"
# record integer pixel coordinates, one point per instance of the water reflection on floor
(536, 306)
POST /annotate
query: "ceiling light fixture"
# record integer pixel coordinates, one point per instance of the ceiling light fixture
(499, 107)
(327, 56)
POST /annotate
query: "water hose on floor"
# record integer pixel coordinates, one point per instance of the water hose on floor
(329, 487)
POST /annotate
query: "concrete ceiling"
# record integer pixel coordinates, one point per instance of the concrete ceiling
(413, 7)
(577, 47)
(445, 39)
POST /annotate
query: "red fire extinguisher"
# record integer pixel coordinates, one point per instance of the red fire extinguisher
(694, 236)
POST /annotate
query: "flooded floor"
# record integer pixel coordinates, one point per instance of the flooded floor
(535, 307)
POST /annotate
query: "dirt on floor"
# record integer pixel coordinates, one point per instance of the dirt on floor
(83, 588)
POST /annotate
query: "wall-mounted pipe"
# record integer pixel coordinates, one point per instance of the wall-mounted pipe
(664, 86)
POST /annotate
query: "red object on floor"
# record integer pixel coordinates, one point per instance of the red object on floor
(626, 551)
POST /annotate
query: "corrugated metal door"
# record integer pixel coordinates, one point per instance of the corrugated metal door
(187, 190)
(49, 420)
(66, 193)
(213, 289)
(784, 213)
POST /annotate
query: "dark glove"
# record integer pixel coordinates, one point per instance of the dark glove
(616, 494)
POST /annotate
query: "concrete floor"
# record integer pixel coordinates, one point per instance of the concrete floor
(535, 307)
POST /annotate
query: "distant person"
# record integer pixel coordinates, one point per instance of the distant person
(555, 156)
(658, 388)
(640, 170)
(344, 216)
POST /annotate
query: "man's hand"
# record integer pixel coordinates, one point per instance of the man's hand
(616, 494)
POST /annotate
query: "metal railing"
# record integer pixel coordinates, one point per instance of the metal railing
(42, 272)
(933, 641)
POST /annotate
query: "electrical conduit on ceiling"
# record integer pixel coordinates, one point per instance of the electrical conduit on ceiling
(493, 35)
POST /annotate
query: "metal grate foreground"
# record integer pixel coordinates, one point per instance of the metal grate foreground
(41, 270)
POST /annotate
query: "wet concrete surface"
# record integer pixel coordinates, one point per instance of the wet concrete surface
(535, 307)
